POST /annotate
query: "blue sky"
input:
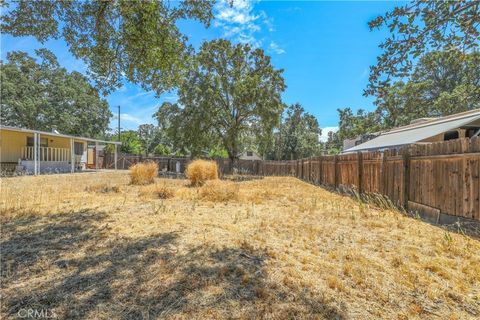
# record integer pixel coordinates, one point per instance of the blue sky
(324, 47)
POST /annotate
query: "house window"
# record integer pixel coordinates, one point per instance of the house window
(450, 135)
(471, 132)
(249, 154)
(43, 142)
(78, 148)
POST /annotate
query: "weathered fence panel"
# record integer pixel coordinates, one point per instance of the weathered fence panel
(327, 171)
(445, 176)
(347, 167)
(371, 181)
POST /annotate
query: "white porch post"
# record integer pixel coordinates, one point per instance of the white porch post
(39, 153)
(96, 155)
(35, 172)
(115, 156)
(72, 157)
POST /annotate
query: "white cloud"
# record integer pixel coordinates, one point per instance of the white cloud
(325, 131)
(364, 73)
(142, 94)
(267, 21)
(130, 121)
(131, 118)
(275, 48)
(239, 22)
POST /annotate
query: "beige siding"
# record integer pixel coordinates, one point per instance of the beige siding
(440, 137)
(12, 142)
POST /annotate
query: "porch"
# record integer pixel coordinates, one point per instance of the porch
(24, 151)
(47, 154)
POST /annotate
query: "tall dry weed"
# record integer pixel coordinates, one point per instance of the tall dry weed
(143, 173)
(200, 171)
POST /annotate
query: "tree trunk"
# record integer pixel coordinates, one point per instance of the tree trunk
(233, 162)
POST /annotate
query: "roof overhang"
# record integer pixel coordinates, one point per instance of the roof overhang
(409, 135)
(53, 134)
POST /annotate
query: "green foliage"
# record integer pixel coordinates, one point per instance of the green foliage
(218, 152)
(185, 129)
(441, 84)
(44, 96)
(297, 136)
(233, 92)
(334, 144)
(130, 142)
(351, 126)
(136, 40)
(149, 136)
(162, 150)
(417, 28)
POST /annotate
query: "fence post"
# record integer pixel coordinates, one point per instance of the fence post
(298, 169)
(310, 170)
(301, 169)
(360, 171)
(406, 176)
(383, 168)
(335, 170)
(320, 162)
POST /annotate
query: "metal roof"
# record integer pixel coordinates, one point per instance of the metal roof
(417, 132)
(56, 134)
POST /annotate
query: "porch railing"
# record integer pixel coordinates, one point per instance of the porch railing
(47, 154)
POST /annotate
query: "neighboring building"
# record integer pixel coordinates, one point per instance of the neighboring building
(34, 152)
(250, 155)
(425, 130)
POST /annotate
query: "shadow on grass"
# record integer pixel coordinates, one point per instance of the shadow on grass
(73, 265)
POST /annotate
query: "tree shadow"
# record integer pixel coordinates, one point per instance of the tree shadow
(70, 264)
(27, 240)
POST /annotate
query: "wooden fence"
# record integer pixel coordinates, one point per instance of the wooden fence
(436, 178)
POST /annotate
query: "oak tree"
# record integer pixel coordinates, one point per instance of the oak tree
(41, 95)
(117, 39)
(417, 28)
(232, 93)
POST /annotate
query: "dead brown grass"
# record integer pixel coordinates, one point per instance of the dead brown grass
(159, 191)
(143, 173)
(200, 171)
(280, 249)
(219, 191)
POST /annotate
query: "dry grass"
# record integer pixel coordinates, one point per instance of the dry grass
(219, 191)
(200, 171)
(143, 173)
(280, 249)
(159, 191)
